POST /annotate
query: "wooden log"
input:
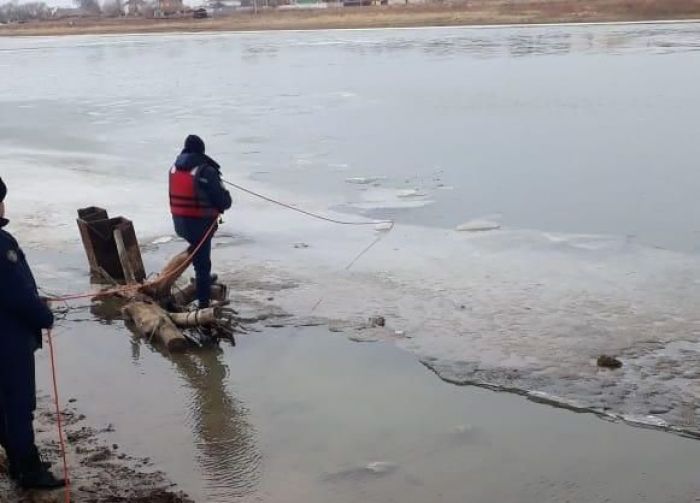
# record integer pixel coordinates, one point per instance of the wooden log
(198, 318)
(154, 323)
(161, 286)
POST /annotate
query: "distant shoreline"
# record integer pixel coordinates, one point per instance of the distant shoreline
(472, 13)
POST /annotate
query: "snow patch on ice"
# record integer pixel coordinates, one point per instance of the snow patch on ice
(364, 180)
(478, 226)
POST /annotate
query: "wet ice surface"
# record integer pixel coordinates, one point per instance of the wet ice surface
(297, 415)
(550, 127)
(588, 166)
(518, 310)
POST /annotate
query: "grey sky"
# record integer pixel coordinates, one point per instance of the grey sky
(50, 3)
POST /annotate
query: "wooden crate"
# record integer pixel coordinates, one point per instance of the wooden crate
(111, 247)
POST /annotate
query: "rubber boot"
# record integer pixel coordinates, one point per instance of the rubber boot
(13, 470)
(34, 474)
(40, 479)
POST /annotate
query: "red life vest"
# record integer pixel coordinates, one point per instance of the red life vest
(185, 199)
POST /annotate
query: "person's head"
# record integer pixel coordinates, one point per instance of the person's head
(193, 145)
(3, 193)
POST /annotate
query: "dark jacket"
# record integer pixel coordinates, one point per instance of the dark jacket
(209, 182)
(23, 314)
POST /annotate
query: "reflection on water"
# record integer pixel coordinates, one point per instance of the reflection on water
(349, 423)
(108, 310)
(487, 42)
(476, 41)
(227, 455)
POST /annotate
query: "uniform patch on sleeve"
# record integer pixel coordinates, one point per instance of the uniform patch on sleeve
(12, 256)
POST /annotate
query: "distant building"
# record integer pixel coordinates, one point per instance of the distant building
(134, 7)
(168, 8)
(223, 7)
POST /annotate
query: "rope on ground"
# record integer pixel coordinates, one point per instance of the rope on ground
(87, 295)
(135, 287)
(179, 270)
(368, 248)
(186, 263)
(305, 212)
(357, 257)
(59, 422)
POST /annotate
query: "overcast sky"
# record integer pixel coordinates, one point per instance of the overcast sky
(52, 3)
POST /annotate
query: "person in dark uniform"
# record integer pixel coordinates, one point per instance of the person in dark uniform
(23, 316)
(197, 199)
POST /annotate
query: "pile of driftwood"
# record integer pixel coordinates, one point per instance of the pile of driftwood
(169, 319)
(157, 309)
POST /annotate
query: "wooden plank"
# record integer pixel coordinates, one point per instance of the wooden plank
(87, 218)
(131, 244)
(118, 255)
(89, 250)
(92, 214)
(124, 258)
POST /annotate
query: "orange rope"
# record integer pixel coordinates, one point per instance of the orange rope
(59, 422)
(58, 417)
(305, 212)
(179, 270)
(111, 291)
(130, 288)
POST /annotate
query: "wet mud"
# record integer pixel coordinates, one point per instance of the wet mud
(99, 472)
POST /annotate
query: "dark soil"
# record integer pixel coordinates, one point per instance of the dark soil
(100, 473)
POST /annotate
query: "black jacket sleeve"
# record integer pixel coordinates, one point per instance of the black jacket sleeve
(210, 182)
(18, 295)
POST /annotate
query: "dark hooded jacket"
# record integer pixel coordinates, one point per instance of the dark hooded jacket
(23, 313)
(209, 182)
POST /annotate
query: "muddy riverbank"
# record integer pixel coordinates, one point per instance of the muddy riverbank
(478, 12)
(297, 412)
(100, 472)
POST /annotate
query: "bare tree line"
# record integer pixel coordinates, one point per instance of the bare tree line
(15, 12)
(12, 12)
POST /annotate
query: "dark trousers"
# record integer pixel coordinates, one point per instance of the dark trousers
(17, 397)
(193, 231)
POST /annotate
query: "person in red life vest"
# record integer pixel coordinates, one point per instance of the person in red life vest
(197, 199)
